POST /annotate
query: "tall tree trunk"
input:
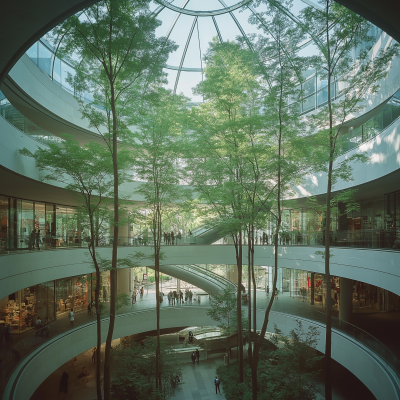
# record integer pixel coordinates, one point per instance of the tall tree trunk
(93, 237)
(276, 243)
(113, 271)
(239, 263)
(328, 335)
(249, 291)
(157, 237)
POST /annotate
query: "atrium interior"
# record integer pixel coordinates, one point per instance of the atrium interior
(200, 176)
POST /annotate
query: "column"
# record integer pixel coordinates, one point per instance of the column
(123, 281)
(346, 300)
(233, 274)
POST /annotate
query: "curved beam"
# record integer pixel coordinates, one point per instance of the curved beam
(239, 26)
(184, 54)
(217, 29)
(203, 13)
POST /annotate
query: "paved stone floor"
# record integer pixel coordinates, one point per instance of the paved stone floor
(198, 381)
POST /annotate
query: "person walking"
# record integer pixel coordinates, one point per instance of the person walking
(178, 237)
(89, 308)
(217, 382)
(84, 374)
(37, 238)
(172, 237)
(276, 293)
(197, 355)
(190, 296)
(133, 296)
(94, 354)
(267, 290)
(141, 292)
(193, 356)
(71, 316)
(181, 296)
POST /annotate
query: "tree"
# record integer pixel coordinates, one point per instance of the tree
(133, 375)
(157, 138)
(223, 309)
(118, 57)
(86, 172)
(284, 133)
(287, 371)
(344, 61)
(223, 131)
(288, 366)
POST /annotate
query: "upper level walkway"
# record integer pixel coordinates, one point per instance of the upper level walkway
(25, 268)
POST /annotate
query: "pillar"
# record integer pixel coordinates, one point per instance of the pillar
(233, 274)
(123, 281)
(346, 300)
(312, 288)
(178, 285)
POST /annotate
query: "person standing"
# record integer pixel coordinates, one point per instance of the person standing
(63, 385)
(141, 292)
(193, 356)
(31, 243)
(89, 308)
(8, 336)
(172, 237)
(217, 382)
(181, 296)
(197, 355)
(267, 290)
(71, 317)
(37, 237)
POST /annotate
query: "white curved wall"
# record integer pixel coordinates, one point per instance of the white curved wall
(376, 267)
(383, 152)
(366, 367)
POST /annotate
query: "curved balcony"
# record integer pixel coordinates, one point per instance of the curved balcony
(357, 351)
(376, 267)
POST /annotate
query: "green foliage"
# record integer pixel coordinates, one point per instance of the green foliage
(285, 372)
(223, 309)
(133, 371)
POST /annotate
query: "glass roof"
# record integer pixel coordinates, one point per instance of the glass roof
(192, 24)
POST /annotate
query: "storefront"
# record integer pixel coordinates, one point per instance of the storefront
(21, 309)
(72, 293)
(55, 225)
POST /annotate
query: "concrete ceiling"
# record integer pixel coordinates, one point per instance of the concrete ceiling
(26, 21)
(383, 13)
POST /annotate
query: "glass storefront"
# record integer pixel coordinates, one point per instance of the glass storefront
(21, 309)
(72, 293)
(54, 225)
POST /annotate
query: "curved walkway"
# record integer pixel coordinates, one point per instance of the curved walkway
(352, 348)
(376, 267)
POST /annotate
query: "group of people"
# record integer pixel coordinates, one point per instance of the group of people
(276, 292)
(170, 238)
(34, 238)
(176, 297)
(135, 292)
